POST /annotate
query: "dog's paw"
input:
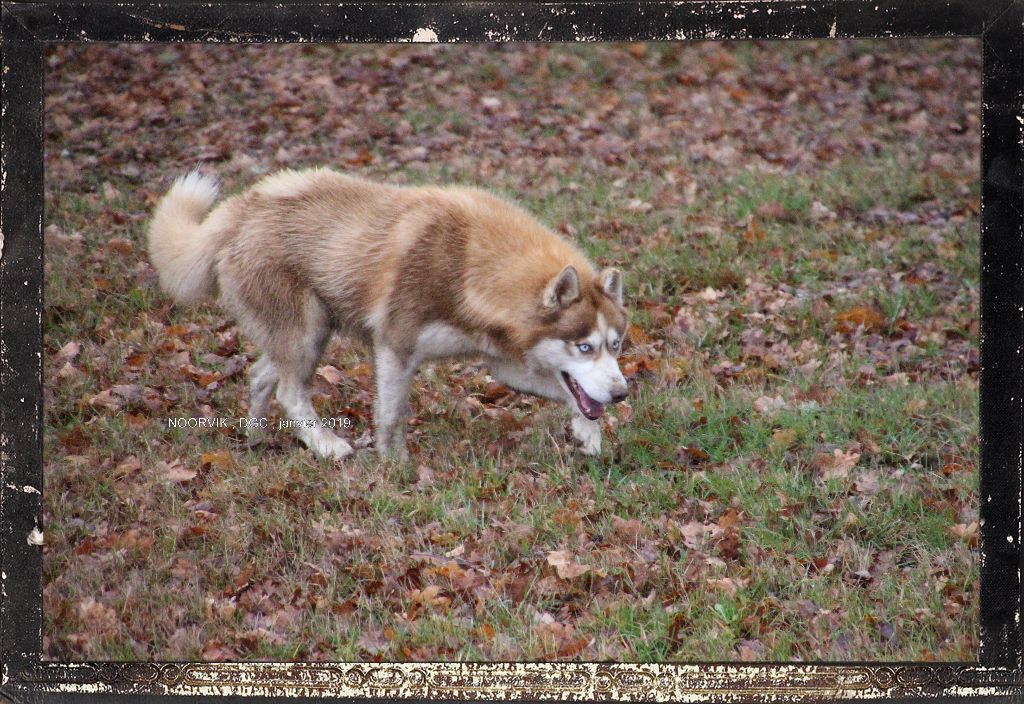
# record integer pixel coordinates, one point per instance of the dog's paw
(587, 434)
(332, 448)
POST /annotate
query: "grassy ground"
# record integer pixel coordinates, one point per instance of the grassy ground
(794, 476)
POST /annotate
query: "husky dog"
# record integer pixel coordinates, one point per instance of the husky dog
(420, 273)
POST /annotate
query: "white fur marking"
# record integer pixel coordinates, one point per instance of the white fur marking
(530, 381)
(377, 317)
(197, 188)
(588, 432)
(439, 340)
(393, 379)
(598, 373)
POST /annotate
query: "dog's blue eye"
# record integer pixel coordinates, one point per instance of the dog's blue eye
(615, 344)
(584, 348)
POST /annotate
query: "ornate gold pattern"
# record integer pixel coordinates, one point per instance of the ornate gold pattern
(564, 681)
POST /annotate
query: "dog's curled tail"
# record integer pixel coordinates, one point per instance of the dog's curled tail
(180, 248)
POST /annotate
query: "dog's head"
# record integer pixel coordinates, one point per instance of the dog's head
(583, 328)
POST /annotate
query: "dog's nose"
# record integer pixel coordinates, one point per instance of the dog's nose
(619, 395)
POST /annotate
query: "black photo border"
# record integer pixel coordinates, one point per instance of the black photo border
(28, 27)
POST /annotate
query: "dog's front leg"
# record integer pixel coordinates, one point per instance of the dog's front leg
(587, 432)
(391, 407)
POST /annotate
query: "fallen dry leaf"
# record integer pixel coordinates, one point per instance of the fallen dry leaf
(868, 483)
(751, 650)
(202, 377)
(430, 596)
(565, 566)
(729, 518)
(68, 372)
(729, 545)
(98, 616)
(175, 472)
(784, 438)
(693, 533)
(769, 405)
(709, 295)
(120, 245)
(104, 400)
(850, 320)
(819, 211)
(690, 455)
(967, 532)
(70, 351)
(218, 459)
(218, 651)
(424, 477)
(574, 647)
(772, 210)
(836, 465)
(630, 530)
(726, 585)
(332, 375)
(129, 466)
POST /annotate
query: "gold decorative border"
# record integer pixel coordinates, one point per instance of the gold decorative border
(516, 681)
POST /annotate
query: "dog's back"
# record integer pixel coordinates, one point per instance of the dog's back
(384, 260)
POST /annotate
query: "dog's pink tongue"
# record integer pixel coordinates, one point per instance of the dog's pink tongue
(592, 408)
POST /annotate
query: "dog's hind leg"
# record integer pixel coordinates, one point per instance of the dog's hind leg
(294, 396)
(262, 383)
(295, 351)
(291, 324)
(391, 407)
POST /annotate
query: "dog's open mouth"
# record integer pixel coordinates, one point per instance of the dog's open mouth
(589, 407)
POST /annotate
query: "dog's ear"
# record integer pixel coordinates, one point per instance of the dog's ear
(611, 284)
(563, 289)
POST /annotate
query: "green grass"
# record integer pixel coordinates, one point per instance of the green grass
(712, 530)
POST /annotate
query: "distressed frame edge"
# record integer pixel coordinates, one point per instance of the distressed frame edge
(21, 194)
(23, 673)
(388, 21)
(1002, 339)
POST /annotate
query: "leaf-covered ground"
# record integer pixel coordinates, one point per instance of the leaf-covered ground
(794, 476)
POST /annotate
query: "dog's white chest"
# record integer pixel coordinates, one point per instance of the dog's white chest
(438, 340)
